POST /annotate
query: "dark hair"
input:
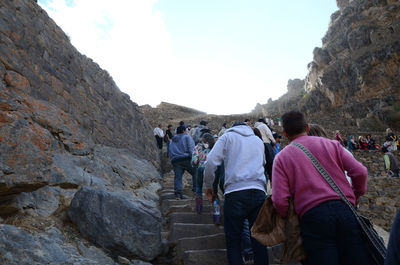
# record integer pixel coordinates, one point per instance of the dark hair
(181, 123)
(180, 129)
(261, 120)
(384, 149)
(169, 126)
(208, 138)
(238, 123)
(294, 123)
(224, 125)
(246, 120)
(258, 133)
(203, 123)
(317, 130)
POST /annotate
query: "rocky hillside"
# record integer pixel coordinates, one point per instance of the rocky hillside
(65, 126)
(355, 73)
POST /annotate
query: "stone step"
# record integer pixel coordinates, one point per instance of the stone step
(181, 230)
(200, 243)
(189, 208)
(191, 218)
(205, 257)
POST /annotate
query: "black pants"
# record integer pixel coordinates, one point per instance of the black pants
(269, 157)
(159, 141)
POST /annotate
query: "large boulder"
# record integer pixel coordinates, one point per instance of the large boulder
(51, 247)
(118, 221)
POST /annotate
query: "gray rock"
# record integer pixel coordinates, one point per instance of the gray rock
(20, 247)
(139, 262)
(118, 222)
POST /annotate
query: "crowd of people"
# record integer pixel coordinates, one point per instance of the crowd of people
(243, 159)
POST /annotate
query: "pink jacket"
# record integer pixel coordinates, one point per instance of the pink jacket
(293, 175)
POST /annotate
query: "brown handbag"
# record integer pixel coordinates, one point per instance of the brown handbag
(270, 229)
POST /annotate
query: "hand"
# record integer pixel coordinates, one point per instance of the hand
(209, 194)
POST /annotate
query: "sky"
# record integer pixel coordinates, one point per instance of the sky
(216, 56)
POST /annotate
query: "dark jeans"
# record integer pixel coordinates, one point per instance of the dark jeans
(199, 181)
(269, 159)
(219, 179)
(179, 168)
(393, 251)
(238, 206)
(332, 236)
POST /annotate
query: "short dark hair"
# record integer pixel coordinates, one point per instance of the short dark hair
(181, 123)
(294, 122)
(180, 129)
(384, 149)
(246, 120)
(169, 126)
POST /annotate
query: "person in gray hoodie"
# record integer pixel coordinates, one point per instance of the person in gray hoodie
(245, 186)
(180, 152)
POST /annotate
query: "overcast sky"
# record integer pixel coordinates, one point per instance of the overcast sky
(217, 56)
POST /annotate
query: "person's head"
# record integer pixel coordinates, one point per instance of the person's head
(247, 121)
(159, 125)
(317, 130)
(368, 136)
(208, 140)
(224, 125)
(277, 137)
(169, 127)
(384, 149)
(204, 123)
(181, 123)
(189, 127)
(180, 129)
(388, 130)
(294, 123)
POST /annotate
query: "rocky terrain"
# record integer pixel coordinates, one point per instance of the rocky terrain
(355, 74)
(80, 174)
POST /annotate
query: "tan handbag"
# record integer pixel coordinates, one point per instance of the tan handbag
(270, 229)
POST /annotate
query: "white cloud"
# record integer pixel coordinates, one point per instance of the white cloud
(130, 40)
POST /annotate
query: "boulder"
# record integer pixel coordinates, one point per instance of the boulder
(118, 221)
(20, 247)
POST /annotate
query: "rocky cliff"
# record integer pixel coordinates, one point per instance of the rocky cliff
(65, 125)
(356, 71)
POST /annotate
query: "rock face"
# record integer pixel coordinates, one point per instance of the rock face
(51, 247)
(356, 71)
(118, 222)
(64, 124)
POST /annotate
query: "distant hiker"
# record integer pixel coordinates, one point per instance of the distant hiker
(180, 152)
(245, 186)
(199, 158)
(200, 130)
(339, 137)
(329, 229)
(168, 136)
(393, 250)
(353, 145)
(159, 135)
(391, 163)
(271, 122)
(390, 140)
(279, 121)
(222, 131)
(362, 143)
(269, 141)
(371, 145)
(277, 146)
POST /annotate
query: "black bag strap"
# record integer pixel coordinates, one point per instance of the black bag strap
(364, 226)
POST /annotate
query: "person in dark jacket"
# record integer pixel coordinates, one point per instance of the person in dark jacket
(180, 152)
(393, 250)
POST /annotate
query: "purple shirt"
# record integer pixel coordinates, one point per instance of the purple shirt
(294, 175)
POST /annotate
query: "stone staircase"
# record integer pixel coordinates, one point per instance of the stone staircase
(192, 237)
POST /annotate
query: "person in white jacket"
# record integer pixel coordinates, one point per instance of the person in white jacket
(159, 135)
(269, 142)
(245, 186)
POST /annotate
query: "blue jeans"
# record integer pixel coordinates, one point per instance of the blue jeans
(332, 236)
(199, 180)
(179, 168)
(238, 206)
(393, 251)
(247, 249)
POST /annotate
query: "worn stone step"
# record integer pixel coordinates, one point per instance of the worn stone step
(191, 218)
(200, 243)
(181, 230)
(205, 257)
(189, 208)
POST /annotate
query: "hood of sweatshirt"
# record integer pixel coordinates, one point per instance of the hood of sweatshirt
(242, 130)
